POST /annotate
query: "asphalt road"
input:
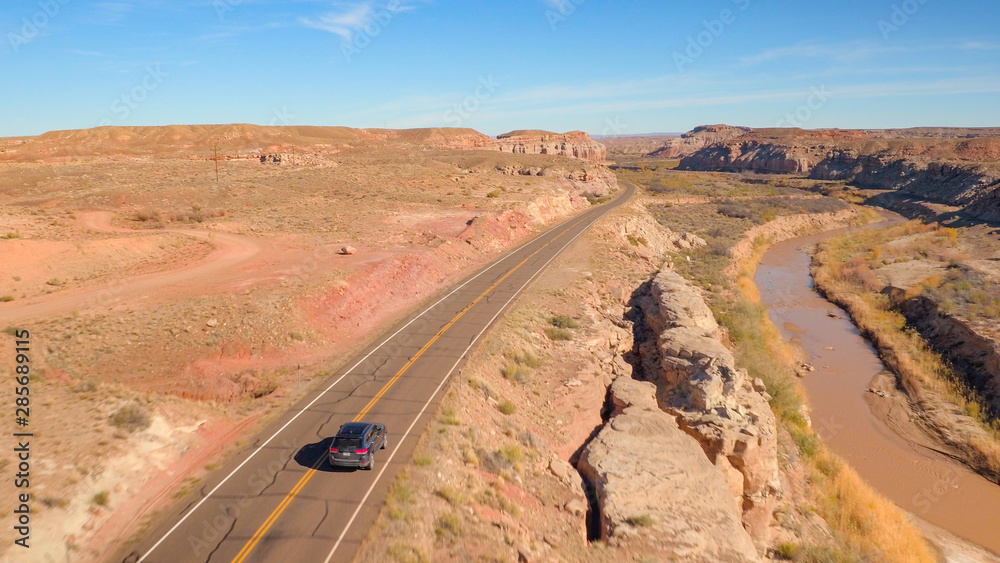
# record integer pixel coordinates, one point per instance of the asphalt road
(279, 500)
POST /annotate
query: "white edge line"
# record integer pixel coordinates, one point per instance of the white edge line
(327, 390)
(399, 444)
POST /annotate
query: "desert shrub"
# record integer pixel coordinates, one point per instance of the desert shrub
(85, 386)
(515, 372)
(526, 359)
(452, 495)
(449, 417)
(130, 418)
(6, 298)
(563, 321)
(637, 241)
(448, 525)
(101, 498)
(642, 521)
(530, 440)
(407, 554)
(787, 550)
(512, 454)
(558, 334)
(506, 407)
(494, 462)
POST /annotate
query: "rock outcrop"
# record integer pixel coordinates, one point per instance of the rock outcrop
(688, 459)
(575, 144)
(655, 485)
(698, 138)
(958, 168)
(715, 402)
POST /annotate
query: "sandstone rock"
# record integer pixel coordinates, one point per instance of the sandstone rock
(643, 466)
(627, 392)
(562, 469)
(715, 402)
(348, 251)
(575, 144)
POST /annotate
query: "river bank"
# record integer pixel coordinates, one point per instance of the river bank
(895, 457)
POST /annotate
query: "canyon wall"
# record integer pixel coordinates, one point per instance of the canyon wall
(974, 348)
(956, 171)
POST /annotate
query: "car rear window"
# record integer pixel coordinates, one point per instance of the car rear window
(346, 443)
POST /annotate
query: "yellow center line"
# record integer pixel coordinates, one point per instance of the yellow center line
(259, 534)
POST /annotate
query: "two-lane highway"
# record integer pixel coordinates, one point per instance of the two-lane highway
(278, 499)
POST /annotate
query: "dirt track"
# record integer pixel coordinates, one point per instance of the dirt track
(230, 252)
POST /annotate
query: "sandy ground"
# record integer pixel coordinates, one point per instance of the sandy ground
(209, 307)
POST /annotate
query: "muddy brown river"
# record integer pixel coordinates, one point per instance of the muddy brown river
(927, 484)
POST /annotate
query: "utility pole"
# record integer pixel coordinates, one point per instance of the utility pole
(216, 149)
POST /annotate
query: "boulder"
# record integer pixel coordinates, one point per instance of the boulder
(655, 487)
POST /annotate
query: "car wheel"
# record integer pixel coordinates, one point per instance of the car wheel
(371, 463)
(385, 443)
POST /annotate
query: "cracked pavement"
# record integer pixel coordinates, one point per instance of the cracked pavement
(217, 520)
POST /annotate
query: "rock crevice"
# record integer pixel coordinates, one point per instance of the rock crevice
(688, 458)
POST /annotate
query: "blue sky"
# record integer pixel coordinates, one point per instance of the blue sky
(603, 67)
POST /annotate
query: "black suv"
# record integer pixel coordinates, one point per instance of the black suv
(355, 444)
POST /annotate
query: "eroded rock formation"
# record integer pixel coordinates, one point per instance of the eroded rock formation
(697, 429)
(575, 144)
(715, 402)
(655, 485)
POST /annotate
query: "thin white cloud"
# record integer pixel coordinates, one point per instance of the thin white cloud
(833, 51)
(350, 18)
(87, 53)
(857, 50)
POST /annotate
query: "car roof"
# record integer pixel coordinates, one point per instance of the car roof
(354, 429)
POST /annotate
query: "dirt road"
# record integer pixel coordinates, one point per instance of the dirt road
(230, 251)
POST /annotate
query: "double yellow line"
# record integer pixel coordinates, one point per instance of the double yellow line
(259, 534)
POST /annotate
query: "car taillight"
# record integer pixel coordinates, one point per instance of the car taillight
(334, 450)
(364, 451)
